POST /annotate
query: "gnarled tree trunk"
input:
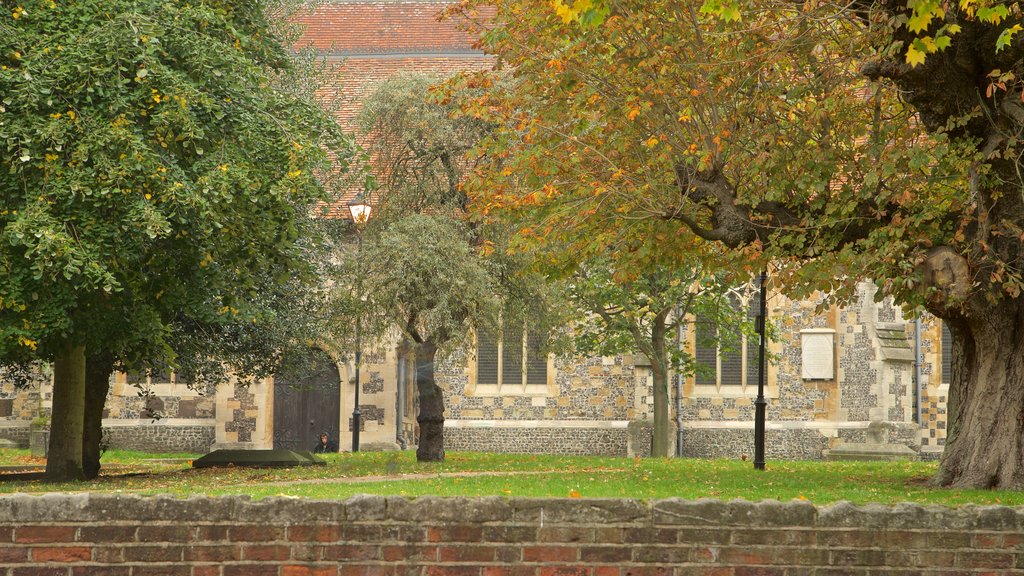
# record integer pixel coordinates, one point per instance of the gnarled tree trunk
(964, 282)
(986, 403)
(431, 414)
(64, 459)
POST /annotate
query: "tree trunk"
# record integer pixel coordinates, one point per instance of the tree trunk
(431, 415)
(97, 384)
(965, 282)
(659, 370)
(64, 460)
(986, 403)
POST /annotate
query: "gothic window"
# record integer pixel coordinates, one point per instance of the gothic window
(727, 358)
(511, 362)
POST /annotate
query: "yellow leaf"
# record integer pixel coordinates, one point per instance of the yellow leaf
(651, 142)
(914, 56)
(632, 114)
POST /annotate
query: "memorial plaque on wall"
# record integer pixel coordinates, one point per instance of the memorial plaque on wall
(817, 351)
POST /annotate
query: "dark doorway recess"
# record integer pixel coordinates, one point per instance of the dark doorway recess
(306, 401)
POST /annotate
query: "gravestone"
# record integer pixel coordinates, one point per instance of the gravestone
(257, 459)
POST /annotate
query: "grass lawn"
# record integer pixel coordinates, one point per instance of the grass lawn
(482, 474)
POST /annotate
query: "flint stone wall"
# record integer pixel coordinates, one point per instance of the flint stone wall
(569, 441)
(128, 535)
(161, 438)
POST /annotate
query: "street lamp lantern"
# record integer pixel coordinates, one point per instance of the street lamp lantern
(360, 211)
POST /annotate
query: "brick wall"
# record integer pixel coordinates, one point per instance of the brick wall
(127, 535)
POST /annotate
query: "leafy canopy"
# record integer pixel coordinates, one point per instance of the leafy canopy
(761, 135)
(150, 170)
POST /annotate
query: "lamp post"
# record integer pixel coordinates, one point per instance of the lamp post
(360, 212)
(760, 403)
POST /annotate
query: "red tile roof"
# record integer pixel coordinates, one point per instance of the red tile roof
(370, 41)
(346, 28)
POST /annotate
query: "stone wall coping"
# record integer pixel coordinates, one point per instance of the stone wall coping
(87, 507)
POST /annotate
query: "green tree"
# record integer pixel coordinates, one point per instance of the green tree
(640, 310)
(422, 275)
(810, 137)
(427, 270)
(151, 173)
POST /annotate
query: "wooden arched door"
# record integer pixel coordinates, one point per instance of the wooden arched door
(306, 402)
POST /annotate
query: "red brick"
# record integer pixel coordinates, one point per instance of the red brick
(101, 571)
(451, 571)
(465, 554)
(106, 534)
(153, 553)
(350, 552)
(361, 533)
(211, 533)
(40, 571)
(514, 571)
(165, 534)
(309, 571)
(701, 571)
(987, 541)
(266, 552)
(744, 556)
(456, 533)
(605, 554)
(1013, 540)
(255, 533)
(936, 558)
(758, 571)
(163, 570)
(508, 555)
(365, 570)
(214, 553)
(108, 554)
(703, 536)
(549, 554)
(13, 555)
(509, 534)
(646, 571)
(369, 26)
(314, 533)
(6, 535)
(991, 560)
(62, 554)
(651, 536)
(408, 552)
(206, 571)
(250, 570)
(660, 554)
(32, 534)
(563, 571)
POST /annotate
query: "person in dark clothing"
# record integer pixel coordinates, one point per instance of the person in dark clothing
(325, 444)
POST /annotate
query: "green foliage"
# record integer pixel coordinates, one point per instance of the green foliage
(152, 174)
(773, 144)
(427, 268)
(641, 311)
(423, 275)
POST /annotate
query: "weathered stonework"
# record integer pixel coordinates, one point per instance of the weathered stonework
(121, 534)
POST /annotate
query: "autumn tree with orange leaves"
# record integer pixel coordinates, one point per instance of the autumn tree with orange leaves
(832, 142)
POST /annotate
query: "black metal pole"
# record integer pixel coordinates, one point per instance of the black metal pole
(760, 403)
(359, 350)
